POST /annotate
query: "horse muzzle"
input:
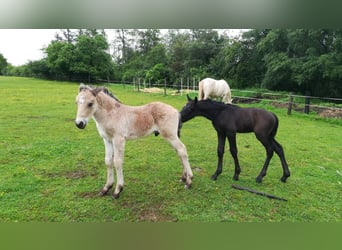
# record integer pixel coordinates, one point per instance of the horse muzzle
(81, 124)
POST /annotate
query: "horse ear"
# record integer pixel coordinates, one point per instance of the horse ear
(188, 97)
(82, 86)
(196, 99)
(96, 91)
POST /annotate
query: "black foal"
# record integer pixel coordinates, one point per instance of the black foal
(230, 119)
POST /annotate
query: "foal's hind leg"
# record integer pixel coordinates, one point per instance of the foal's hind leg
(234, 153)
(280, 152)
(183, 155)
(269, 153)
(119, 148)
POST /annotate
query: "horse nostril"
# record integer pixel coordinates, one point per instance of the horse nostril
(80, 125)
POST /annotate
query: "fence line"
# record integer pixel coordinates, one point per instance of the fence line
(191, 85)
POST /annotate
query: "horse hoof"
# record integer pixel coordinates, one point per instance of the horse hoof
(103, 193)
(235, 178)
(214, 177)
(258, 180)
(284, 177)
(187, 186)
(116, 196)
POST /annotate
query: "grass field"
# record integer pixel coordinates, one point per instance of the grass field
(52, 171)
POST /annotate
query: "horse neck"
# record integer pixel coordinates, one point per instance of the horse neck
(210, 110)
(105, 105)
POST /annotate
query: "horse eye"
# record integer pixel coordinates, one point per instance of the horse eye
(90, 104)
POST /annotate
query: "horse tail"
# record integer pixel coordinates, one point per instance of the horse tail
(200, 90)
(275, 128)
(179, 125)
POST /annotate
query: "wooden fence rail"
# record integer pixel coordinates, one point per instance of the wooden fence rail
(290, 100)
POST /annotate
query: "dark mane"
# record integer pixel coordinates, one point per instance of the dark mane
(107, 92)
(218, 104)
(96, 90)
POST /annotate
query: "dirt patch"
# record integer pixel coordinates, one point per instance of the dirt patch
(330, 113)
(247, 100)
(145, 212)
(153, 90)
(321, 111)
(153, 214)
(78, 174)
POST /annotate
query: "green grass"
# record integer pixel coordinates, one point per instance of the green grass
(52, 171)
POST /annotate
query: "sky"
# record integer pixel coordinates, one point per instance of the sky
(19, 46)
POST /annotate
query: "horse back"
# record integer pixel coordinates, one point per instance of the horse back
(246, 120)
(165, 117)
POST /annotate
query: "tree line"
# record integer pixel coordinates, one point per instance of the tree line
(297, 60)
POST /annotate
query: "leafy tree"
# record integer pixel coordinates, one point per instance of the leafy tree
(178, 49)
(3, 63)
(60, 57)
(147, 39)
(303, 60)
(278, 59)
(239, 61)
(156, 74)
(123, 46)
(91, 57)
(84, 58)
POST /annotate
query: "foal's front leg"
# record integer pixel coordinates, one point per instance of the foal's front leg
(119, 148)
(220, 152)
(109, 157)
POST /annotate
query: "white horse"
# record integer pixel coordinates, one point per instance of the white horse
(209, 87)
(117, 123)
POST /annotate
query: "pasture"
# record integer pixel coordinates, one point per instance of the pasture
(52, 171)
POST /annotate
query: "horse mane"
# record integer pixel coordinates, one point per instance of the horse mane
(96, 90)
(217, 104)
(107, 92)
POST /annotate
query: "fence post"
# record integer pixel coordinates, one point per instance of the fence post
(181, 86)
(307, 102)
(289, 109)
(164, 86)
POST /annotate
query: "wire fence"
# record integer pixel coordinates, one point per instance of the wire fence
(324, 106)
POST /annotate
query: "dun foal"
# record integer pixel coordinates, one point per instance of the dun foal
(230, 119)
(117, 123)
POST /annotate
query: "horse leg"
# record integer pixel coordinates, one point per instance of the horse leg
(221, 141)
(109, 163)
(119, 148)
(269, 153)
(183, 155)
(224, 99)
(280, 152)
(228, 97)
(234, 152)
